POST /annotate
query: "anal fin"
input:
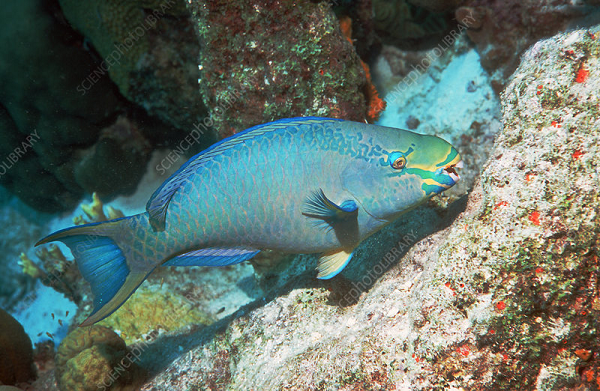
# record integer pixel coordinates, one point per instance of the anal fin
(213, 256)
(331, 263)
(103, 309)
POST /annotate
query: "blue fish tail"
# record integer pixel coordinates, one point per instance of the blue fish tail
(102, 263)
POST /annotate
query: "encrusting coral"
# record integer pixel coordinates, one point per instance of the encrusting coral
(94, 358)
(149, 310)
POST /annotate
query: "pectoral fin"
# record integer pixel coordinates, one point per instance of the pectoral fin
(321, 207)
(331, 263)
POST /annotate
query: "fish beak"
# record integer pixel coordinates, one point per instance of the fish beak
(451, 171)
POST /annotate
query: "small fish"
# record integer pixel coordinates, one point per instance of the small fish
(299, 185)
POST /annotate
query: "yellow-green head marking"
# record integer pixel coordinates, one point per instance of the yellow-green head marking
(408, 169)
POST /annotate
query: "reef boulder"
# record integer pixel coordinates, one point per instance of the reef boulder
(60, 139)
(503, 30)
(16, 353)
(264, 60)
(150, 51)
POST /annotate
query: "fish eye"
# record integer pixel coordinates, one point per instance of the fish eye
(399, 163)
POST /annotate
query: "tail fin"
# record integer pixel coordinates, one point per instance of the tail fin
(102, 263)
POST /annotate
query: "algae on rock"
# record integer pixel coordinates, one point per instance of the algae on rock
(264, 60)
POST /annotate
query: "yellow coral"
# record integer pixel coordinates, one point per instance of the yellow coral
(95, 212)
(117, 29)
(93, 357)
(114, 213)
(29, 267)
(54, 260)
(148, 310)
(57, 272)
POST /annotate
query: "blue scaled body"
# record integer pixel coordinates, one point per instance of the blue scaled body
(300, 185)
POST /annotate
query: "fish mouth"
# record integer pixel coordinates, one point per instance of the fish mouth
(451, 170)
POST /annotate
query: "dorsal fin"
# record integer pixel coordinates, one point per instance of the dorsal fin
(157, 204)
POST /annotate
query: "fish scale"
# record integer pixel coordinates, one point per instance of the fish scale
(299, 185)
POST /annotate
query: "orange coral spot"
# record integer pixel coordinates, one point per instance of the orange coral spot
(447, 285)
(555, 124)
(501, 203)
(540, 87)
(539, 270)
(582, 74)
(501, 305)
(534, 217)
(464, 350)
(577, 154)
(492, 332)
(321, 72)
(589, 374)
(375, 105)
(346, 27)
(583, 354)
(528, 177)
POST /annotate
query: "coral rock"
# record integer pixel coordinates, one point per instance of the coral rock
(502, 30)
(399, 21)
(436, 5)
(264, 60)
(16, 353)
(149, 50)
(64, 127)
(375, 105)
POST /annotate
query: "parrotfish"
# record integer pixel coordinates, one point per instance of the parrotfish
(299, 185)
